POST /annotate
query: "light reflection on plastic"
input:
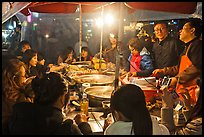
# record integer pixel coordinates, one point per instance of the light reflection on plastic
(29, 18)
(10, 27)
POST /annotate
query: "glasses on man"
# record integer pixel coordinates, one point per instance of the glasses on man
(159, 29)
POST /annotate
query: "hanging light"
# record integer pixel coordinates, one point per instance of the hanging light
(109, 19)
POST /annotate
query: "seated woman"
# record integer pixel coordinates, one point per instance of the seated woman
(30, 59)
(66, 56)
(141, 64)
(13, 81)
(85, 54)
(44, 116)
(40, 68)
(110, 53)
(132, 117)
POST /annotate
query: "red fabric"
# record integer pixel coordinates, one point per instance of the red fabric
(70, 7)
(177, 7)
(63, 7)
(135, 61)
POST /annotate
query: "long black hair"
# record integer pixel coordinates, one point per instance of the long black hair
(49, 88)
(130, 101)
(28, 55)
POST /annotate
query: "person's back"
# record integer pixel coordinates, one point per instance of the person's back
(35, 119)
(124, 128)
(131, 115)
(44, 116)
(129, 107)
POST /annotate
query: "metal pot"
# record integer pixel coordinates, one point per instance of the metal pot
(95, 79)
(81, 63)
(97, 94)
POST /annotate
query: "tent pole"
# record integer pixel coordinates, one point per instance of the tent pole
(101, 42)
(80, 31)
(119, 39)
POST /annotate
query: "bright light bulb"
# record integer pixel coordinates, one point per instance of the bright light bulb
(109, 19)
(47, 36)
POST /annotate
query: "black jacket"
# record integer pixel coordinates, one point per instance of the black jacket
(167, 52)
(34, 119)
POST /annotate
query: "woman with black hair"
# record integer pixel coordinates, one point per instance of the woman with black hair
(13, 83)
(66, 56)
(85, 54)
(131, 114)
(44, 116)
(30, 60)
(40, 68)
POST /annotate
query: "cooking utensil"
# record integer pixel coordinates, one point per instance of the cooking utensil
(97, 94)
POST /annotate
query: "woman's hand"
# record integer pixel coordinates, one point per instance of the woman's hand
(79, 118)
(28, 80)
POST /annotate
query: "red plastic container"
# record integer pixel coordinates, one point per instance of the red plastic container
(149, 94)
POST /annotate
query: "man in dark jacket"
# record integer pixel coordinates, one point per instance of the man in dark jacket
(166, 50)
(190, 67)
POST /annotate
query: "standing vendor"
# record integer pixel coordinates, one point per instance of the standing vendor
(110, 52)
(140, 60)
(190, 67)
(166, 49)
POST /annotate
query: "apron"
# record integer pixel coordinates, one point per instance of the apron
(190, 85)
(133, 64)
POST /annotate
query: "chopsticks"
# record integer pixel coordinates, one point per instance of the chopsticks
(99, 124)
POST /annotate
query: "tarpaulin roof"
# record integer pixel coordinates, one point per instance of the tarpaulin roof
(177, 7)
(70, 7)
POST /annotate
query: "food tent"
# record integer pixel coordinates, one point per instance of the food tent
(185, 9)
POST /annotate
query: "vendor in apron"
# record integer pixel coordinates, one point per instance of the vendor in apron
(191, 85)
(189, 70)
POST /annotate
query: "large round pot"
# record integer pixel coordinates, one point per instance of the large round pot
(97, 94)
(95, 79)
(81, 63)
